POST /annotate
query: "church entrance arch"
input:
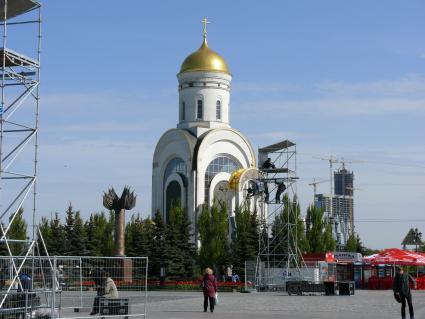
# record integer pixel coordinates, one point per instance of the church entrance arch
(173, 196)
(220, 194)
(221, 164)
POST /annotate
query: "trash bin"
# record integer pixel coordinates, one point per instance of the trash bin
(346, 288)
(329, 288)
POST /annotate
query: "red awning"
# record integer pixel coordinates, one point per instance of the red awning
(397, 257)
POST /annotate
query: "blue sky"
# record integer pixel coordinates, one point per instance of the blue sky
(345, 78)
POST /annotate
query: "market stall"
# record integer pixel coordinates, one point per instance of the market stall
(380, 268)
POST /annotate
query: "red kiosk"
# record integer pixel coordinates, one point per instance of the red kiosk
(379, 269)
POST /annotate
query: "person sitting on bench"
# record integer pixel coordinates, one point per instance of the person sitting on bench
(268, 164)
(105, 288)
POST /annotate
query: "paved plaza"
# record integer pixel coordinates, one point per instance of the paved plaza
(365, 304)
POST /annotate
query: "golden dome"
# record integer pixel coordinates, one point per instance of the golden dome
(204, 59)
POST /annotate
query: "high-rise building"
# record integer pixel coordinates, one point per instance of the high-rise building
(343, 182)
(342, 205)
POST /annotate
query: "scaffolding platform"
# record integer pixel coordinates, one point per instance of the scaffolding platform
(276, 147)
(15, 59)
(275, 170)
(16, 8)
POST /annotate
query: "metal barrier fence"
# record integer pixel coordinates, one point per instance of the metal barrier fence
(73, 287)
(259, 277)
(250, 267)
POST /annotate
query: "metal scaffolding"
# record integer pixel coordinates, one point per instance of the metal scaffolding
(279, 258)
(19, 112)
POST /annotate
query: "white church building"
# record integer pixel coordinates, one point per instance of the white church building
(194, 162)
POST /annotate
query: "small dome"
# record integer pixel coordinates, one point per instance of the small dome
(204, 59)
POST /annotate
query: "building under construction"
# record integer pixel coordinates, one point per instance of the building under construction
(342, 217)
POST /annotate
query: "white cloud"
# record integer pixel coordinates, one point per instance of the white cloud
(337, 106)
(411, 85)
(282, 135)
(339, 99)
(263, 87)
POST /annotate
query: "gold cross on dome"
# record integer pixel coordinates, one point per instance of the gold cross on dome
(205, 22)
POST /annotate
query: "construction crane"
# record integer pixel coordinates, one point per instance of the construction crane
(332, 160)
(314, 184)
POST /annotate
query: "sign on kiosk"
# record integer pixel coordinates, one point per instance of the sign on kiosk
(344, 256)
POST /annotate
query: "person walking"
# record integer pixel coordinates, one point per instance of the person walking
(402, 292)
(209, 287)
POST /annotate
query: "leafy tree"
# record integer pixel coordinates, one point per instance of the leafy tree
(315, 229)
(318, 232)
(329, 240)
(352, 243)
(245, 243)
(213, 234)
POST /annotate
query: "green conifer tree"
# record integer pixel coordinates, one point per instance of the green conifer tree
(93, 242)
(245, 243)
(45, 231)
(79, 237)
(213, 233)
(158, 256)
(57, 242)
(18, 230)
(288, 233)
(3, 247)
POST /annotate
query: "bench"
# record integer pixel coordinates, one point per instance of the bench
(113, 307)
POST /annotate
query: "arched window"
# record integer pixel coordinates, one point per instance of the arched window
(218, 165)
(173, 193)
(218, 110)
(199, 109)
(183, 115)
(176, 165)
(173, 197)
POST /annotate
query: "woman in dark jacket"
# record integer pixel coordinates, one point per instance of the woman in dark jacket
(209, 284)
(402, 292)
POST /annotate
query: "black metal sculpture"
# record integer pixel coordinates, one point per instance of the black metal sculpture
(119, 205)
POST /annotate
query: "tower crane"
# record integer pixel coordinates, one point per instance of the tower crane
(314, 184)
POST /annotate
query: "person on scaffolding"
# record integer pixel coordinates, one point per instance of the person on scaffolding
(268, 164)
(266, 193)
(280, 189)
